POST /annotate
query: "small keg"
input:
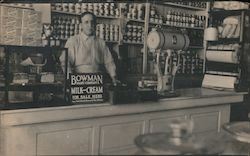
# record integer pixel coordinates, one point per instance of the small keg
(167, 39)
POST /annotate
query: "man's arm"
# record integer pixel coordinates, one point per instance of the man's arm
(110, 65)
(70, 46)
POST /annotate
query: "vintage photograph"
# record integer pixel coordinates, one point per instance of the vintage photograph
(124, 77)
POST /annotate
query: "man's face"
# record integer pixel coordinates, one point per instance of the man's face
(88, 25)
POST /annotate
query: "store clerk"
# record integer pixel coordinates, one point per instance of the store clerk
(87, 53)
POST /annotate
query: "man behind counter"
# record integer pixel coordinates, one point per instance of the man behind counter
(87, 53)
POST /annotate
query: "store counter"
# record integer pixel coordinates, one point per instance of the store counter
(109, 129)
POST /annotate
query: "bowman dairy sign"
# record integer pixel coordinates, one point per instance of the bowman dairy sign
(86, 88)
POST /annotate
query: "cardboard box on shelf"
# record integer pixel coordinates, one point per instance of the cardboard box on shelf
(11, 33)
(32, 33)
(7, 21)
(10, 12)
(31, 42)
(31, 19)
(20, 26)
(10, 40)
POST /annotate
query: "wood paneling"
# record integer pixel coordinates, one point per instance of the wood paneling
(162, 124)
(204, 122)
(119, 136)
(65, 142)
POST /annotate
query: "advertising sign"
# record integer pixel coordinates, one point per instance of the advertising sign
(86, 88)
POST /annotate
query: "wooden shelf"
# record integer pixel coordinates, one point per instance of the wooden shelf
(138, 43)
(184, 6)
(224, 13)
(225, 40)
(64, 12)
(109, 17)
(198, 28)
(30, 48)
(225, 50)
(78, 14)
(135, 20)
(111, 41)
(41, 87)
(195, 47)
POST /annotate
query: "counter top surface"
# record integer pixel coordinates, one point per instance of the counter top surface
(189, 98)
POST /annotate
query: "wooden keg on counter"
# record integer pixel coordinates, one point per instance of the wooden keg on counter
(167, 39)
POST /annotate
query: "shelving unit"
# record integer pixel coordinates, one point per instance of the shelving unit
(176, 26)
(78, 14)
(193, 56)
(237, 70)
(183, 6)
(31, 82)
(123, 20)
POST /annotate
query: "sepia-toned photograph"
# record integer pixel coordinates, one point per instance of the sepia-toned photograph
(124, 77)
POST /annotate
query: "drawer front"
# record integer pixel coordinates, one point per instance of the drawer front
(204, 122)
(119, 136)
(65, 142)
(163, 124)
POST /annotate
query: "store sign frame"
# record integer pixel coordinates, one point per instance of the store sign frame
(86, 88)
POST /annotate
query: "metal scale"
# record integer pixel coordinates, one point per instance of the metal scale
(163, 44)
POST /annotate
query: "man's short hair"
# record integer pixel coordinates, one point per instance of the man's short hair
(88, 13)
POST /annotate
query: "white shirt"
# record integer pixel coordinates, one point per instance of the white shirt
(88, 54)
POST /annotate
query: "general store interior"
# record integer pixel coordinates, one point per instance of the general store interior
(183, 69)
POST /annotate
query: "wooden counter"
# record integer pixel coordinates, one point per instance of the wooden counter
(109, 129)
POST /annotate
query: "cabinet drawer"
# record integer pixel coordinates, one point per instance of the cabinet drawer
(162, 124)
(119, 136)
(204, 122)
(65, 142)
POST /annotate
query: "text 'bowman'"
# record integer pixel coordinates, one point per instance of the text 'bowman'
(86, 79)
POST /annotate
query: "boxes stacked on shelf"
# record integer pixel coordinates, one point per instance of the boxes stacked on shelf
(31, 28)
(10, 28)
(20, 26)
(21, 5)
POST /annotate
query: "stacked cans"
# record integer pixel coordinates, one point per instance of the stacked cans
(108, 32)
(190, 63)
(176, 18)
(65, 27)
(99, 9)
(135, 11)
(155, 16)
(193, 4)
(133, 34)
